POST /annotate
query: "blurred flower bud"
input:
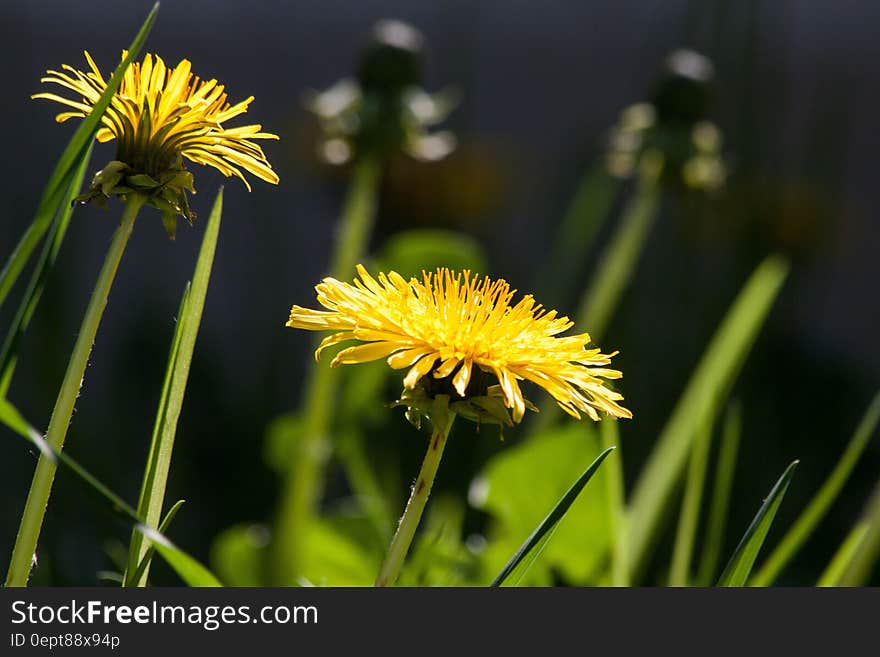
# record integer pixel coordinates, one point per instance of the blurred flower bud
(384, 111)
(683, 94)
(670, 139)
(392, 60)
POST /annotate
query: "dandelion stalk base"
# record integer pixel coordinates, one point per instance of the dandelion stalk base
(442, 420)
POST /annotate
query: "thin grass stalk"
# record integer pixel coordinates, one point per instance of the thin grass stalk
(38, 496)
(821, 503)
(866, 552)
(610, 433)
(686, 534)
(152, 495)
(834, 571)
(305, 479)
(418, 498)
(717, 520)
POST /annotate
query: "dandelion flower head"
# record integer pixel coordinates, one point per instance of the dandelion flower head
(464, 330)
(159, 114)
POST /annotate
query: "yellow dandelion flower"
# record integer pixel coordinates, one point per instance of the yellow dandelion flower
(160, 113)
(158, 116)
(459, 329)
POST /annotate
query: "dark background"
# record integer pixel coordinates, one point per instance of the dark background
(541, 82)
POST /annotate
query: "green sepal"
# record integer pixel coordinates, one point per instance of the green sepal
(166, 191)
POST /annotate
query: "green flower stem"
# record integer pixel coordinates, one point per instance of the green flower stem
(417, 500)
(41, 486)
(615, 269)
(356, 222)
(305, 478)
(614, 272)
(576, 234)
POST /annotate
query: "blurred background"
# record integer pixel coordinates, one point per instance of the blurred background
(795, 94)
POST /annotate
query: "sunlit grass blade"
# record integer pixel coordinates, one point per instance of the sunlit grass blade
(577, 232)
(856, 570)
(44, 266)
(188, 568)
(148, 555)
(70, 159)
(699, 403)
(717, 520)
(833, 573)
(171, 401)
(690, 509)
(530, 550)
(818, 507)
(610, 433)
(740, 565)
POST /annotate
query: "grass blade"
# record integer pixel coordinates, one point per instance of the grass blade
(539, 538)
(818, 507)
(171, 401)
(618, 261)
(574, 238)
(721, 495)
(690, 509)
(705, 392)
(844, 555)
(189, 569)
(148, 555)
(866, 551)
(740, 565)
(44, 266)
(10, 416)
(70, 159)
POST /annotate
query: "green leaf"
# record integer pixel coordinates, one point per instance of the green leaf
(818, 507)
(698, 405)
(189, 569)
(740, 565)
(41, 272)
(70, 160)
(412, 251)
(336, 552)
(239, 555)
(548, 462)
(535, 543)
(721, 494)
(174, 388)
